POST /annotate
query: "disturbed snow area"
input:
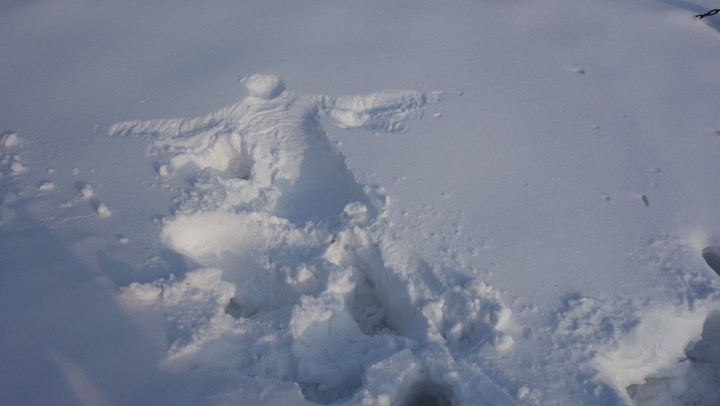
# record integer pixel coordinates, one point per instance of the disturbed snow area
(298, 277)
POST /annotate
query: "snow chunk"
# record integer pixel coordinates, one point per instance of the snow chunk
(503, 342)
(47, 186)
(199, 285)
(17, 167)
(202, 282)
(86, 191)
(9, 140)
(356, 212)
(147, 291)
(103, 211)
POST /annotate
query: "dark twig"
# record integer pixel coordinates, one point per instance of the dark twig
(708, 14)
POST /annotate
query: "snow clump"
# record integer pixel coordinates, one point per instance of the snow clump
(9, 140)
(103, 211)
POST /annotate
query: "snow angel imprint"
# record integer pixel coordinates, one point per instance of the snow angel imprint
(274, 140)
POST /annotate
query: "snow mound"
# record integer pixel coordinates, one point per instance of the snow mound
(299, 278)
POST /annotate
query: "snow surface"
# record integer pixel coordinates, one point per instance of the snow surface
(359, 203)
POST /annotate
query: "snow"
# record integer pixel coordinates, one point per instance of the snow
(103, 211)
(10, 139)
(359, 203)
(17, 167)
(86, 191)
(264, 86)
(46, 186)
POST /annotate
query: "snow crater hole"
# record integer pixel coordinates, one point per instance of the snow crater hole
(428, 393)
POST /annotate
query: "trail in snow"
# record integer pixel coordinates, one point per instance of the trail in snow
(297, 277)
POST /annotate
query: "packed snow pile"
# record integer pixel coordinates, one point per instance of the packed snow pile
(298, 278)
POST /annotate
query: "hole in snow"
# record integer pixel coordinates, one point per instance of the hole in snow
(233, 309)
(319, 393)
(368, 310)
(711, 254)
(428, 393)
(696, 380)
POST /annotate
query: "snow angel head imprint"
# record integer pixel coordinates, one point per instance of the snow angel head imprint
(265, 86)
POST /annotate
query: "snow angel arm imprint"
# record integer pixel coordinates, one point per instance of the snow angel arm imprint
(167, 128)
(383, 111)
